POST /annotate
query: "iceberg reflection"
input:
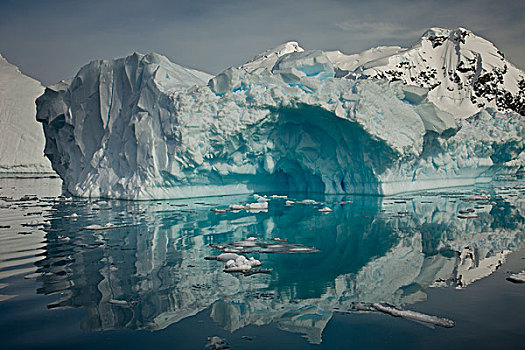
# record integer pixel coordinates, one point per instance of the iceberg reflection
(152, 273)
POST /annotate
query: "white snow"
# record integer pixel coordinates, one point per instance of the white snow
(142, 127)
(448, 62)
(21, 137)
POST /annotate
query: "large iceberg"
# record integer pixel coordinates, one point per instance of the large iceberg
(21, 137)
(142, 127)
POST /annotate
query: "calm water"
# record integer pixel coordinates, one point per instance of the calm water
(147, 283)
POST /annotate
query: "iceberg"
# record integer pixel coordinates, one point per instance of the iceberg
(142, 127)
(21, 137)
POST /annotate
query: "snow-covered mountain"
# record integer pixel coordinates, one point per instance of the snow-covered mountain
(464, 72)
(21, 137)
(143, 127)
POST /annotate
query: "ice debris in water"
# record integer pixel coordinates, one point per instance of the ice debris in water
(107, 226)
(517, 277)
(216, 343)
(257, 245)
(325, 210)
(241, 264)
(263, 205)
(397, 311)
(236, 263)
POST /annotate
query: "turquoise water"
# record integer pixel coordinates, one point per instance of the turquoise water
(146, 282)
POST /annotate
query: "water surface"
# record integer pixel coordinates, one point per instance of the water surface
(147, 283)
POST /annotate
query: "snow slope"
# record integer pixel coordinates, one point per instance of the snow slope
(21, 137)
(463, 71)
(142, 127)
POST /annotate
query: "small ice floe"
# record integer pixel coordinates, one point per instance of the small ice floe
(257, 206)
(475, 198)
(307, 201)
(325, 210)
(467, 211)
(32, 223)
(237, 207)
(124, 303)
(406, 314)
(33, 275)
(107, 226)
(216, 343)
(248, 242)
(517, 277)
(224, 257)
(241, 264)
(219, 211)
(289, 203)
(257, 245)
(238, 263)
(468, 216)
(275, 196)
(252, 207)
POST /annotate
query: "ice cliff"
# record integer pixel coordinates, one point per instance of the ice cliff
(21, 137)
(143, 127)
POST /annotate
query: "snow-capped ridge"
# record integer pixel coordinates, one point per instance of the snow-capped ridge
(464, 72)
(268, 58)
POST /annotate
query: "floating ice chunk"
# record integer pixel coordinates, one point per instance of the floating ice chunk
(325, 210)
(261, 246)
(413, 315)
(471, 216)
(224, 257)
(107, 226)
(241, 264)
(275, 196)
(406, 314)
(517, 277)
(260, 198)
(216, 343)
(124, 303)
(237, 207)
(289, 203)
(257, 206)
(307, 201)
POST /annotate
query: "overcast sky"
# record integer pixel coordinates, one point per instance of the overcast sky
(51, 39)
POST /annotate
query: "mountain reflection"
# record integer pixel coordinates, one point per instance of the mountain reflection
(152, 273)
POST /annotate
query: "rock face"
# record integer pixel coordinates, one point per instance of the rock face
(142, 127)
(21, 138)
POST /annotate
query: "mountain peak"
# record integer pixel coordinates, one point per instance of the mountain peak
(268, 58)
(463, 71)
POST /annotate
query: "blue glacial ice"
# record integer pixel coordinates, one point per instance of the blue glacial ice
(142, 127)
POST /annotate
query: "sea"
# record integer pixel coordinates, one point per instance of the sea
(431, 270)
